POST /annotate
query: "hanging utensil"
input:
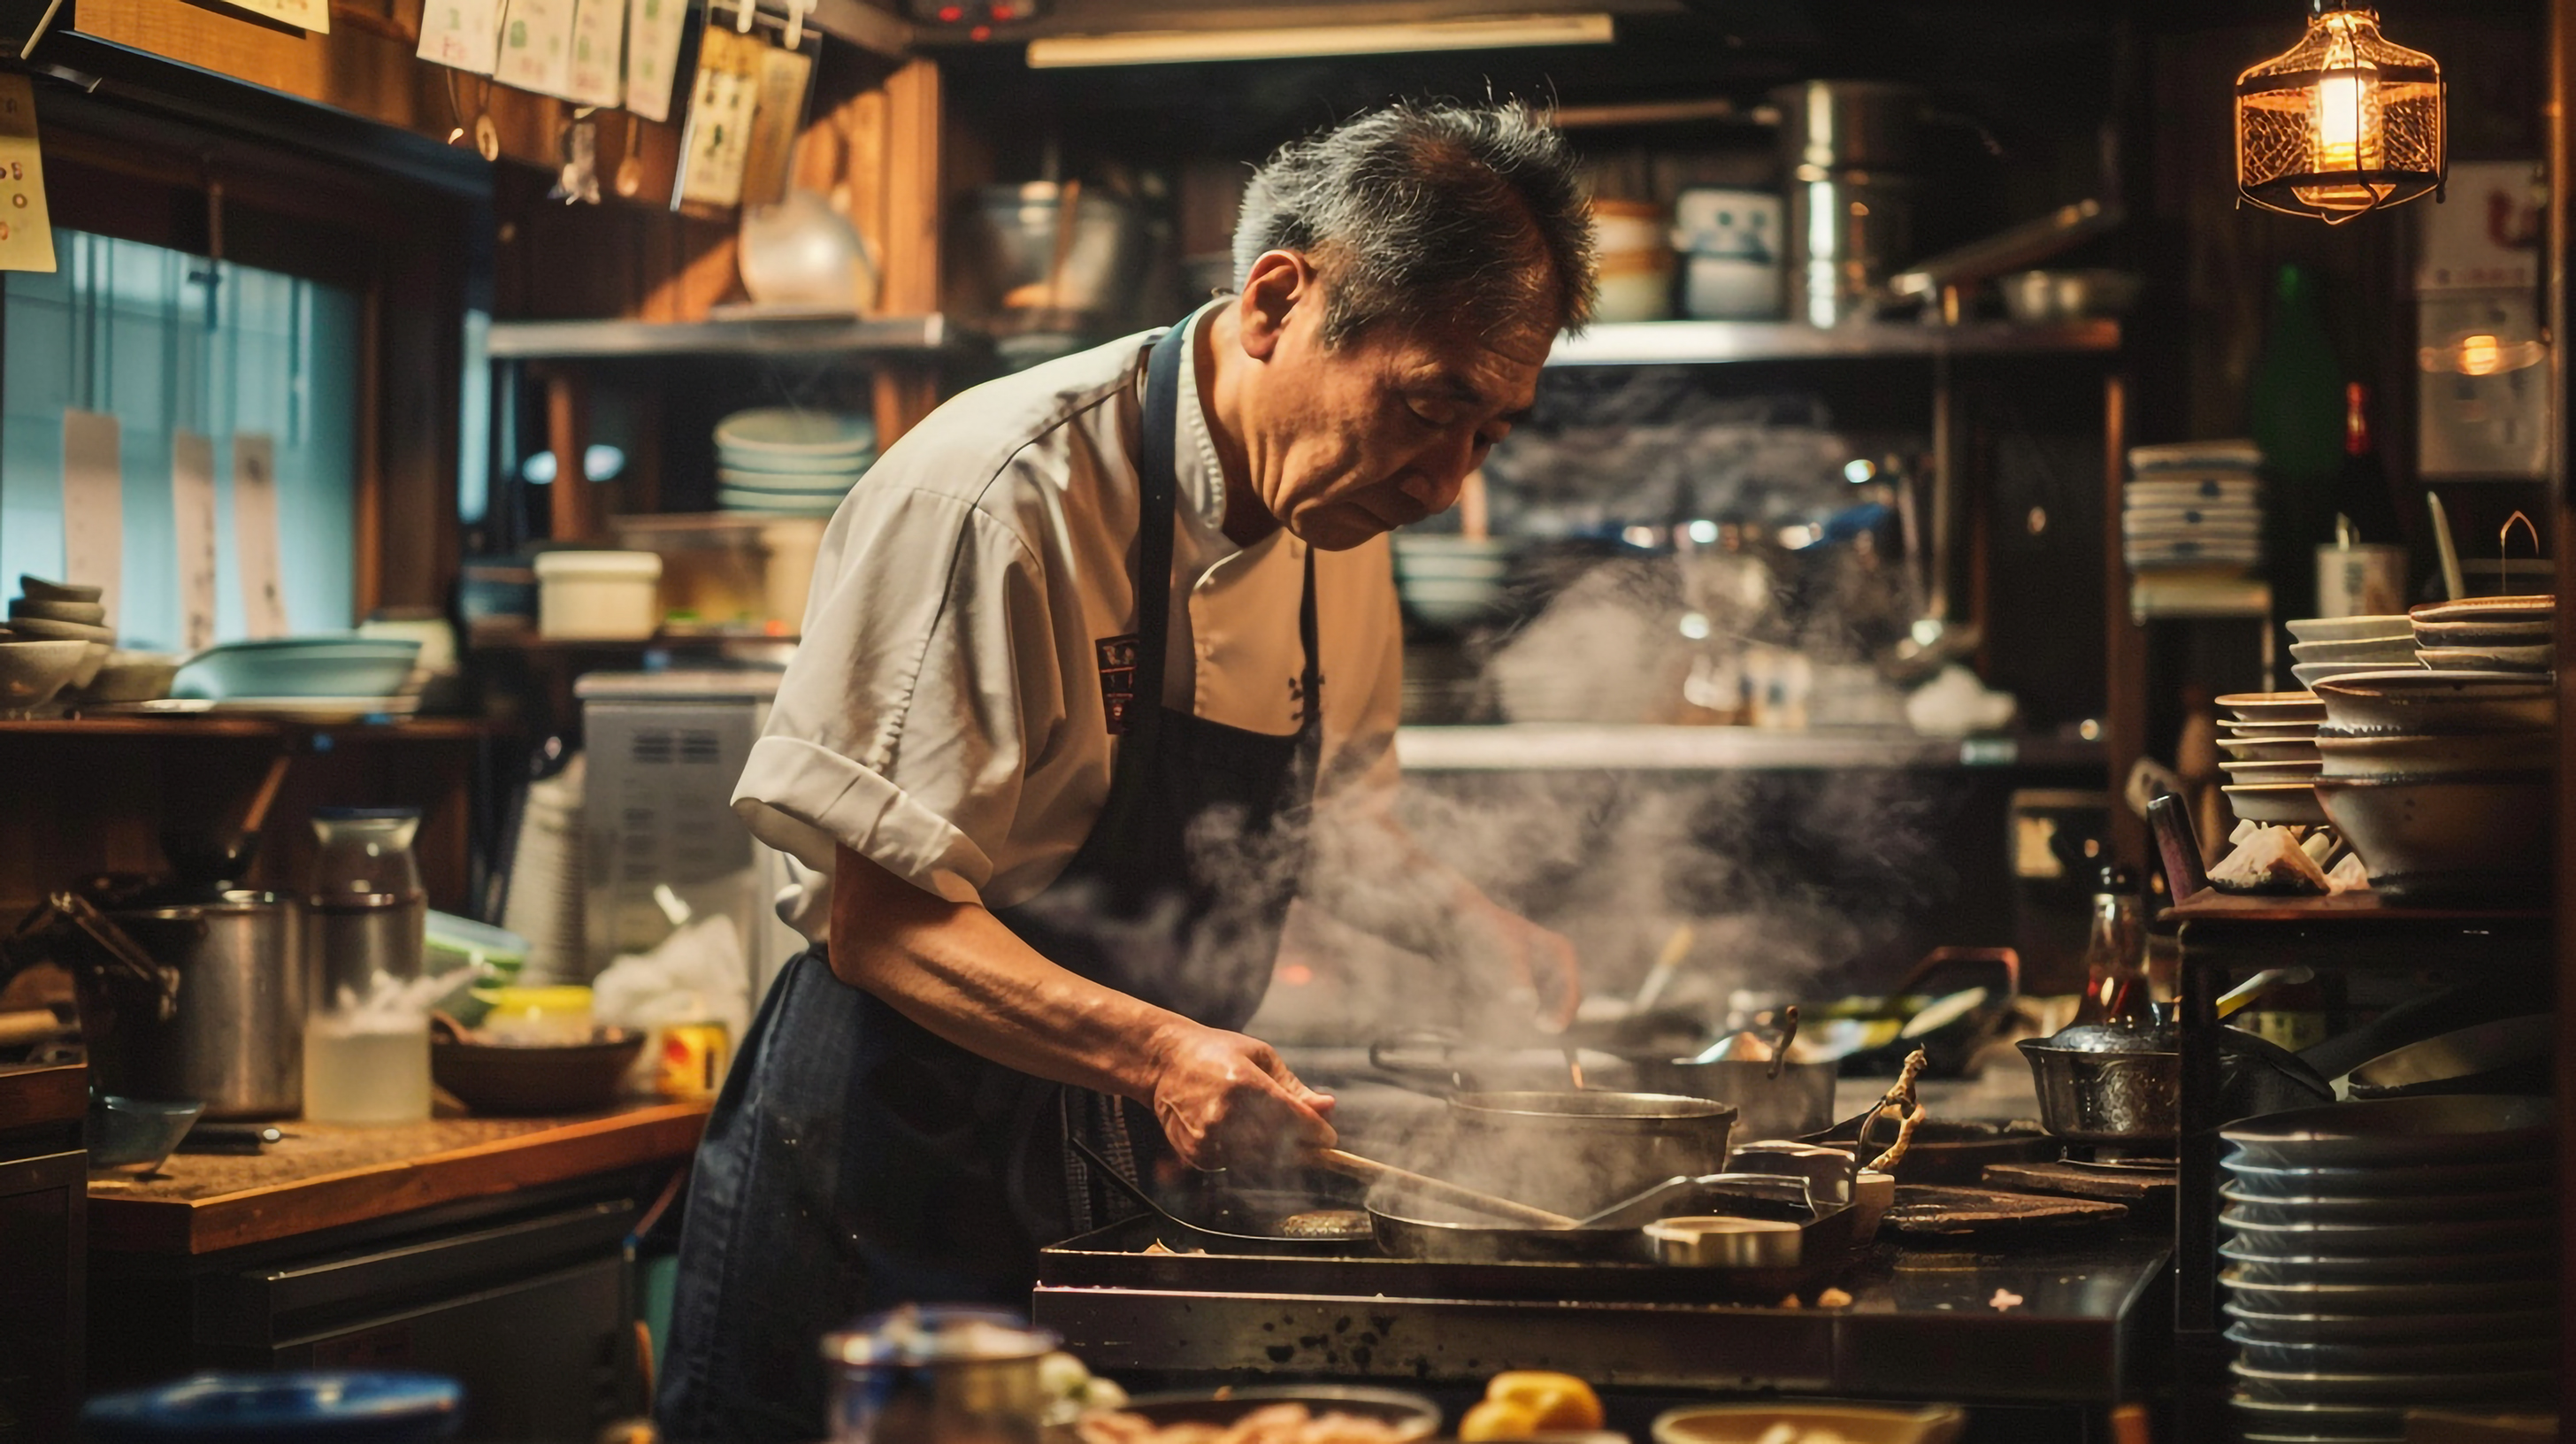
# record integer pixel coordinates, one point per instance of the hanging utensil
(630, 165)
(1659, 977)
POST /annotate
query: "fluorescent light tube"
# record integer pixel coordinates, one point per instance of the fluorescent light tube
(1168, 47)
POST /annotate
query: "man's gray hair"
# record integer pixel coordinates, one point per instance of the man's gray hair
(1423, 210)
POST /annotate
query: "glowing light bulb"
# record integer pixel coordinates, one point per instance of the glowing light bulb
(2480, 355)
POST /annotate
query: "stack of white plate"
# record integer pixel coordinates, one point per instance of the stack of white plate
(2192, 505)
(2487, 634)
(2334, 646)
(2272, 758)
(781, 462)
(2389, 1255)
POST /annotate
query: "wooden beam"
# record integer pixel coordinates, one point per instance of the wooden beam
(2124, 642)
(567, 436)
(913, 199)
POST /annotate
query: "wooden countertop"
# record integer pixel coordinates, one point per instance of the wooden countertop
(324, 1175)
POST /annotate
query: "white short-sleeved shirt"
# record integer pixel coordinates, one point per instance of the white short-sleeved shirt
(943, 716)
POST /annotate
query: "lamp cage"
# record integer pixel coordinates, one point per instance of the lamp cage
(2343, 123)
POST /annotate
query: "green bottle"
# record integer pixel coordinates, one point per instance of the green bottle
(2296, 408)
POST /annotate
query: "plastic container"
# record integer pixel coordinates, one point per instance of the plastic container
(598, 596)
(550, 1016)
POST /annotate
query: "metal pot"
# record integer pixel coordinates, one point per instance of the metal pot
(233, 1034)
(1797, 1102)
(2120, 1084)
(1576, 1153)
(1836, 125)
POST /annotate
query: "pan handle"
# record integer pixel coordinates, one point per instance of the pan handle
(1119, 1181)
(2005, 961)
(1385, 1056)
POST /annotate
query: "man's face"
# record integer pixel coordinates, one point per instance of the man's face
(1382, 430)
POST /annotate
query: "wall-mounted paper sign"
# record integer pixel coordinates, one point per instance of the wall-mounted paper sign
(255, 533)
(720, 110)
(778, 117)
(461, 34)
(192, 507)
(598, 52)
(93, 505)
(536, 46)
(26, 236)
(313, 15)
(653, 31)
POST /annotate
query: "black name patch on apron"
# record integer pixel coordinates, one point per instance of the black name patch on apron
(1117, 679)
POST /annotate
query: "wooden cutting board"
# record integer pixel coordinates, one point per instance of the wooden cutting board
(1925, 1214)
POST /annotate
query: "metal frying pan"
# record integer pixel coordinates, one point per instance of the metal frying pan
(1242, 1220)
(1411, 1226)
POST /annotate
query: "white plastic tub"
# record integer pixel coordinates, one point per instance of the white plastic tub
(598, 595)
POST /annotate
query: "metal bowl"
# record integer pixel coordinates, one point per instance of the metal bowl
(133, 1135)
(2457, 1062)
(1411, 1416)
(1722, 1241)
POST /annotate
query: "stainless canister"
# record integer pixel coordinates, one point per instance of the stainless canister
(351, 939)
(1577, 1153)
(937, 1374)
(234, 1039)
(1848, 153)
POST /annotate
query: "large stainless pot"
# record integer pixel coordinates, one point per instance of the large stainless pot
(2120, 1084)
(1577, 1153)
(233, 1034)
(1796, 1102)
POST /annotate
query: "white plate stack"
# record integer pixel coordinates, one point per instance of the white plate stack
(2487, 634)
(2272, 758)
(780, 462)
(2193, 506)
(2389, 1255)
(2336, 646)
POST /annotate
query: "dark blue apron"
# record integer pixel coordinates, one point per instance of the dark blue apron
(855, 1160)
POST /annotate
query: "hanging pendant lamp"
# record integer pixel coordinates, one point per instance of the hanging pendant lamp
(2341, 124)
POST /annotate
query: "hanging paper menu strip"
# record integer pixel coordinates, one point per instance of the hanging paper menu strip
(26, 236)
(778, 116)
(313, 15)
(255, 533)
(598, 38)
(192, 507)
(93, 505)
(461, 34)
(653, 31)
(720, 111)
(536, 47)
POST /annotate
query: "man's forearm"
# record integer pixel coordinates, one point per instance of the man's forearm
(956, 970)
(1371, 874)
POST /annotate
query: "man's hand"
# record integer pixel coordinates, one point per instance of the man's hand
(1225, 1100)
(1540, 961)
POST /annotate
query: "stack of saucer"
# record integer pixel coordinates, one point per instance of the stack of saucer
(2272, 758)
(46, 611)
(2389, 1255)
(2337, 646)
(2486, 634)
(2192, 506)
(780, 462)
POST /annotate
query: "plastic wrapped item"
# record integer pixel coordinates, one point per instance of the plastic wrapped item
(697, 975)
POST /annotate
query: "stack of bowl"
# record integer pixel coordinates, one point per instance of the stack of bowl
(2272, 760)
(2389, 1255)
(2440, 780)
(2487, 634)
(2335, 646)
(781, 462)
(50, 622)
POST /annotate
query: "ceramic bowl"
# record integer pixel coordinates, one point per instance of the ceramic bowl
(133, 1135)
(1748, 1423)
(37, 629)
(2286, 804)
(345, 666)
(2420, 701)
(2473, 836)
(2390, 755)
(2487, 609)
(2475, 634)
(2296, 769)
(562, 1078)
(2269, 749)
(39, 590)
(133, 677)
(2311, 673)
(2396, 649)
(93, 660)
(782, 432)
(32, 672)
(2268, 731)
(2268, 707)
(2538, 658)
(2345, 629)
(90, 614)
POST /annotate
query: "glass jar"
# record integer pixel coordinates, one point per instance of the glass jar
(368, 911)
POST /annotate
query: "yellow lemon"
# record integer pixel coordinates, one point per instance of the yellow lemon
(1557, 1401)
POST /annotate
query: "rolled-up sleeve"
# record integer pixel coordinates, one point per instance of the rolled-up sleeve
(926, 677)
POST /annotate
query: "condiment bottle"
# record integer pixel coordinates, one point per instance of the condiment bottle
(2115, 955)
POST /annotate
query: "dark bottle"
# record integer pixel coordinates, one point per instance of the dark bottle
(2363, 499)
(2115, 955)
(2295, 404)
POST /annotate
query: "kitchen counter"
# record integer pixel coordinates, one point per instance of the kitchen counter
(323, 1175)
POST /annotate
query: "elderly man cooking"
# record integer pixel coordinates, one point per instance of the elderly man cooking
(1087, 653)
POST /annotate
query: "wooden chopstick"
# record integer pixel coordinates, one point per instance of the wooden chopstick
(1371, 1171)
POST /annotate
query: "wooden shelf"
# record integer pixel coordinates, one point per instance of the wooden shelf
(1659, 343)
(419, 729)
(876, 337)
(2348, 907)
